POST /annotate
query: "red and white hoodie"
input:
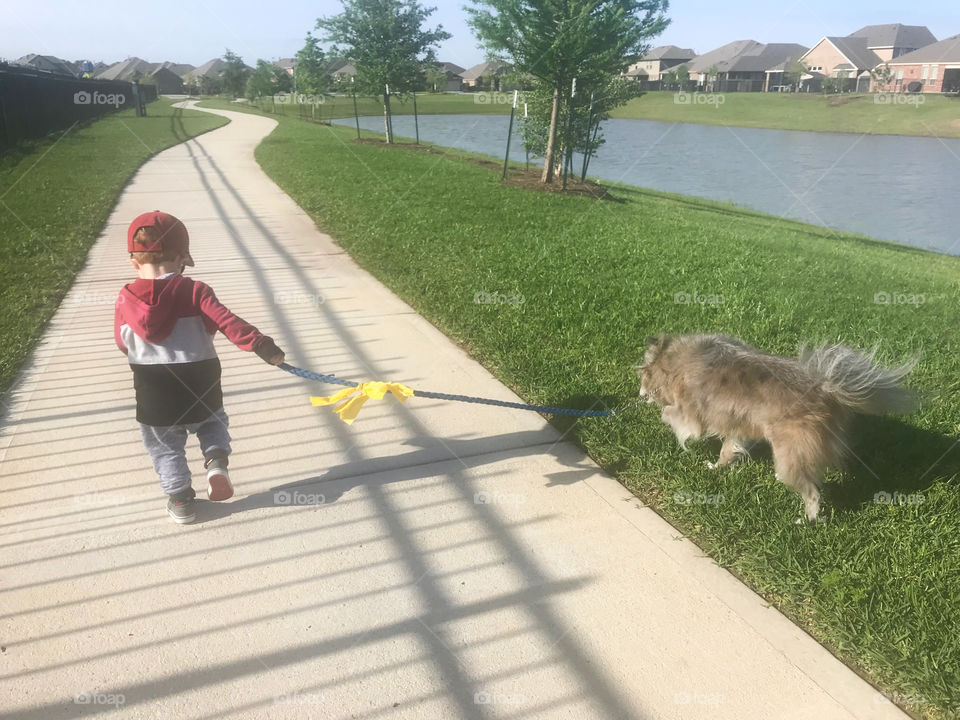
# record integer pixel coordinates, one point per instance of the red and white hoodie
(166, 328)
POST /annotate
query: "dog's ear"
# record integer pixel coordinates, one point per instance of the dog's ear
(656, 344)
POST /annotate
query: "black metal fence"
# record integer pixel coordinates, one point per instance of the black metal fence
(34, 104)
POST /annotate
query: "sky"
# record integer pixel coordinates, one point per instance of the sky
(194, 32)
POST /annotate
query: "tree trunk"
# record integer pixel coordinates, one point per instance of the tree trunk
(387, 125)
(547, 176)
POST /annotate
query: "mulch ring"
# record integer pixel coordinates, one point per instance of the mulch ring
(516, 177)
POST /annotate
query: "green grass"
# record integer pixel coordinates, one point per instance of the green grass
(877, 583)
(55, 196)
(934, 116)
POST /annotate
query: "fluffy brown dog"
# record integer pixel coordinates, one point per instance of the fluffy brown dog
(715, 385)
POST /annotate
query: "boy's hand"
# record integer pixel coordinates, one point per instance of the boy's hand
(276, 359)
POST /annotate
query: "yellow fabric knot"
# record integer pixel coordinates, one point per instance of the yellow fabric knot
(350, 407)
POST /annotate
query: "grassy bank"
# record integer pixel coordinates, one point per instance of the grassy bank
(55, 196)
(877, 583)
(932, 116)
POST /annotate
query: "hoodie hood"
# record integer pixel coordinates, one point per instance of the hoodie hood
(150, 307)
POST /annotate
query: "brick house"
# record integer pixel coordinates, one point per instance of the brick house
(931, 69)
(649, 69)
(486, 75)
(851, 58)
(845, 58)
(891, 41)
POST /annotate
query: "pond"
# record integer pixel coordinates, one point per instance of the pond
(897, 188)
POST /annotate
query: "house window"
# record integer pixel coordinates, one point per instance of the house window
(816, 68)
(923, 75)
(933, 74)
(899, 75)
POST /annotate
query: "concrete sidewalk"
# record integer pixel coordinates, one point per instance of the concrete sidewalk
(435, 560)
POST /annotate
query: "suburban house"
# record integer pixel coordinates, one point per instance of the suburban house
(745, 66)
(205, 76)
(934, 68)
(648, 70)
(48, 63)
(762, 69)
(342, 71)
(454, 76)
(134, 68)
(166, 80)
(851, 58)
(286, 64)
(704, 68)
(486, 75)
(130, 69)
(891, 41)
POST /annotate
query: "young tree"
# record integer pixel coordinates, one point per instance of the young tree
(579, 133)
(794, 73)
(435, 78)
(882, 76)
(282, 81)
(310, 73)
(234, 76)
(557, 41)
(683, 77)
(713, 72)
(387, 44)
(831, 85)
(668, 79)
(261, 80)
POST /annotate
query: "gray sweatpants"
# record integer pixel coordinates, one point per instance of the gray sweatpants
(167, 445)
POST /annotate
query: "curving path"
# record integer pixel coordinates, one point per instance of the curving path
(393, 593)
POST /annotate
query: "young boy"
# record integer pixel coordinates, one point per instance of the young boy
(165, 323)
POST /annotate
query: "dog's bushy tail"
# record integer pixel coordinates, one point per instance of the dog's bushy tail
(855, 380)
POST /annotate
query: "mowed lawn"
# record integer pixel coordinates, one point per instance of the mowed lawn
(55, 196)
(932, 115)
(928, 115)
(877, 582)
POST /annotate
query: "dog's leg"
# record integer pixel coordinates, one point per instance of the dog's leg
(800, 467)
(684, 427)
(732, 451)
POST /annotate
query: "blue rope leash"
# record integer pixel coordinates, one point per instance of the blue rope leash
(457, 398)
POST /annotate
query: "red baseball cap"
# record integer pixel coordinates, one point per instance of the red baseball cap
(173, 234)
